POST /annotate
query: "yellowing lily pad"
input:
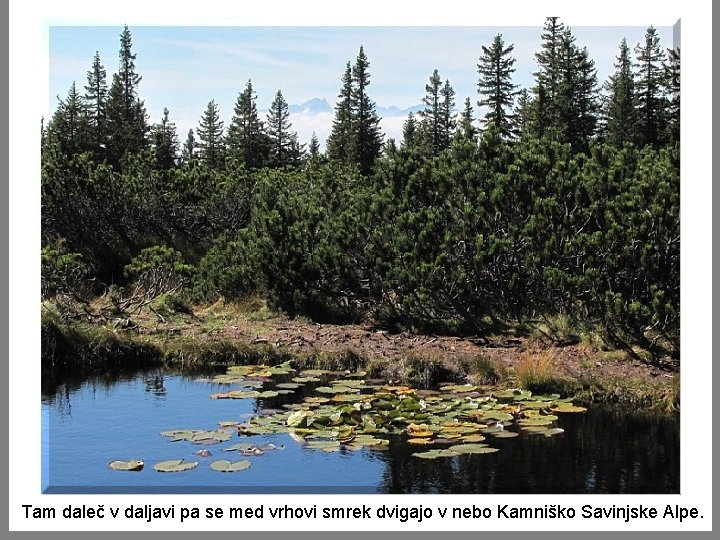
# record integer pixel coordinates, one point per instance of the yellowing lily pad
(132, 465)
(420, 440)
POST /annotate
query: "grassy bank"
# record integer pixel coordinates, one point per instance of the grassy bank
(79, 349)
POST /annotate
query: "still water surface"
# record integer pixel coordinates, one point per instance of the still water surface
(87, 425)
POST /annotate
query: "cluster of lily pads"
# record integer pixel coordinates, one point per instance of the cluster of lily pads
(342, 410)
(351, 413)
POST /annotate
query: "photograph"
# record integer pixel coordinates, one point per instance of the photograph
(361, 260)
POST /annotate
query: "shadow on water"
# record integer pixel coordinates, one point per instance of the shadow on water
(606, 450)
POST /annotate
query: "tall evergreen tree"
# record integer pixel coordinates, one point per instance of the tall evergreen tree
(447, 115)
(188, 156)
(126, 117)
(523, 115)
(432, 121)
(96, 93)
(671, 84)
(314, 147)
(211, 148)
(165, 142)
(278, 127)
(340, 141)
(69, 130)
(496, 87)
(466, 125)
(620, 117)
(548, 77)
(368, 138)
(577, 105)
(410, 131)
(246, 137)
(649, 81)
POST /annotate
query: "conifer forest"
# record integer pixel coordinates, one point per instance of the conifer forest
(514, 206)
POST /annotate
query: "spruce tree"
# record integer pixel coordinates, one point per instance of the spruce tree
(340, 141)
(496, 87)
(246, 137)
(211, 148)
(523, 115)
(548, 77)
(278, 128)
(366, 125)
(671, 85)
(165, 142)
(620, 117)
(576, 101)
(68, 132)
(649, 81)
(409, 131)
(432, 123)
(126, 116)
(188, 156)
(466, 125)
(96, 93)
(314, 147)
(447, 116)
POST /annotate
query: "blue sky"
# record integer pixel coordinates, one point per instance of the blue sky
(184, 67)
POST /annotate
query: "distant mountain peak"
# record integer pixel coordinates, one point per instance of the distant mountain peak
(314, 105)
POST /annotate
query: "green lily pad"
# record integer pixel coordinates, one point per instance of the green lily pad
(476, 448)
(434, 454)
(504, 434)
(223, 465)
(537, 421)
(268, 394)
(179, 434)
(175, 465)
(303, 380)
(553, 431)
(534, 429)
(328, 446)
(289, 385)
(132, 465)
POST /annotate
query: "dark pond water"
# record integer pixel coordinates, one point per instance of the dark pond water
(87, 425)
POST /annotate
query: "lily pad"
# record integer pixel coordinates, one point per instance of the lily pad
(504, 434)
(459, 388)
(327, 446)
(300, 418)
(420, 440)
(568, 408)
(537, 421)
(132, 465)
(240, 447)
(223, 465)
(434, 454)
(476, 448)
(175, 465)
(553, 431)
(289, 385)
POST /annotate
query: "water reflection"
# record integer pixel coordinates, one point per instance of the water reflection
(607, 450)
